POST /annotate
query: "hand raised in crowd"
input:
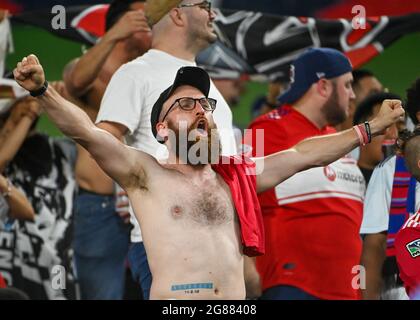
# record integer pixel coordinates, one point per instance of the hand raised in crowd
(27, 107)
(20, 207)
(33, 108)
(17, 113)
(390, 112)
(29, 73)
(15, 129)
(130, 23)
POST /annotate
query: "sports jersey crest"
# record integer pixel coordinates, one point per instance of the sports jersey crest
(413, 248)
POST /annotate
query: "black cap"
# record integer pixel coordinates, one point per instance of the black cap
(191, 76)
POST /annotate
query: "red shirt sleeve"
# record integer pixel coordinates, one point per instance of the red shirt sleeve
(268, 133)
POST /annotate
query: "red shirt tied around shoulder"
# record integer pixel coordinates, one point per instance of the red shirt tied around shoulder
(239, 174)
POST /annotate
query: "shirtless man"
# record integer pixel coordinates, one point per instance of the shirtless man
(190, 230)
(101, 239)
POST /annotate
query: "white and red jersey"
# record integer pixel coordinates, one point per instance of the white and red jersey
(407, 252)
(312, 220)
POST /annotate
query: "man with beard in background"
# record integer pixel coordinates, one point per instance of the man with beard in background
(312, 220)
(198, 218)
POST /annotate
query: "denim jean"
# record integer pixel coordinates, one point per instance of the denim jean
(283, 292)
(101, 242)
(140, 268)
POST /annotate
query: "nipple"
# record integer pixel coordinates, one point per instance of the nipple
(176, 212)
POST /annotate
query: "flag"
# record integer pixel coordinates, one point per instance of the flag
(254, 42)
(83, 23)
(346, 8)
(269, 43)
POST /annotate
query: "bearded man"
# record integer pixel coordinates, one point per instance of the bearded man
(199, 220)
(313, 219)
(180, 30)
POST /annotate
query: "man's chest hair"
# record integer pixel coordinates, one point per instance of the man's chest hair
(206, 203)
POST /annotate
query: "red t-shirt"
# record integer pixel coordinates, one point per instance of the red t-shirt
(311, 220)
(407, 252)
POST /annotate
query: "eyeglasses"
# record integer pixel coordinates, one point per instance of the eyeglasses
(188, 104)
(206, 5)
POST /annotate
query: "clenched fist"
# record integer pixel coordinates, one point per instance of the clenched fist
(390, 112)
(29, 73)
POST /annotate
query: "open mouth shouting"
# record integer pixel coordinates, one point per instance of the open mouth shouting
(202, 127)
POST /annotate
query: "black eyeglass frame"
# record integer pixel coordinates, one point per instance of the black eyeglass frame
(204, 5)
(211, 102)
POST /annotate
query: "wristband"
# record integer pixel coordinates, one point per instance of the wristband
(364, 134)
(40, 91)
(359, 135)
(368, 132)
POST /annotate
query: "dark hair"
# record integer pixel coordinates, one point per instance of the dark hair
(408, 145)
(403, 137)
(365, 108)
(116, 9)
(413, 100)
(359, 74)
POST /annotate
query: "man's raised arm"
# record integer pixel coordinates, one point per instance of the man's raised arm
(80, 74)
(115, 158)
(321, 151)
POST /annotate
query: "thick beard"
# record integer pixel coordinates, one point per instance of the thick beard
(332, 111)
(211, 143)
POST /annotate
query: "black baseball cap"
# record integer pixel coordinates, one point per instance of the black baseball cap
(191, 76)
